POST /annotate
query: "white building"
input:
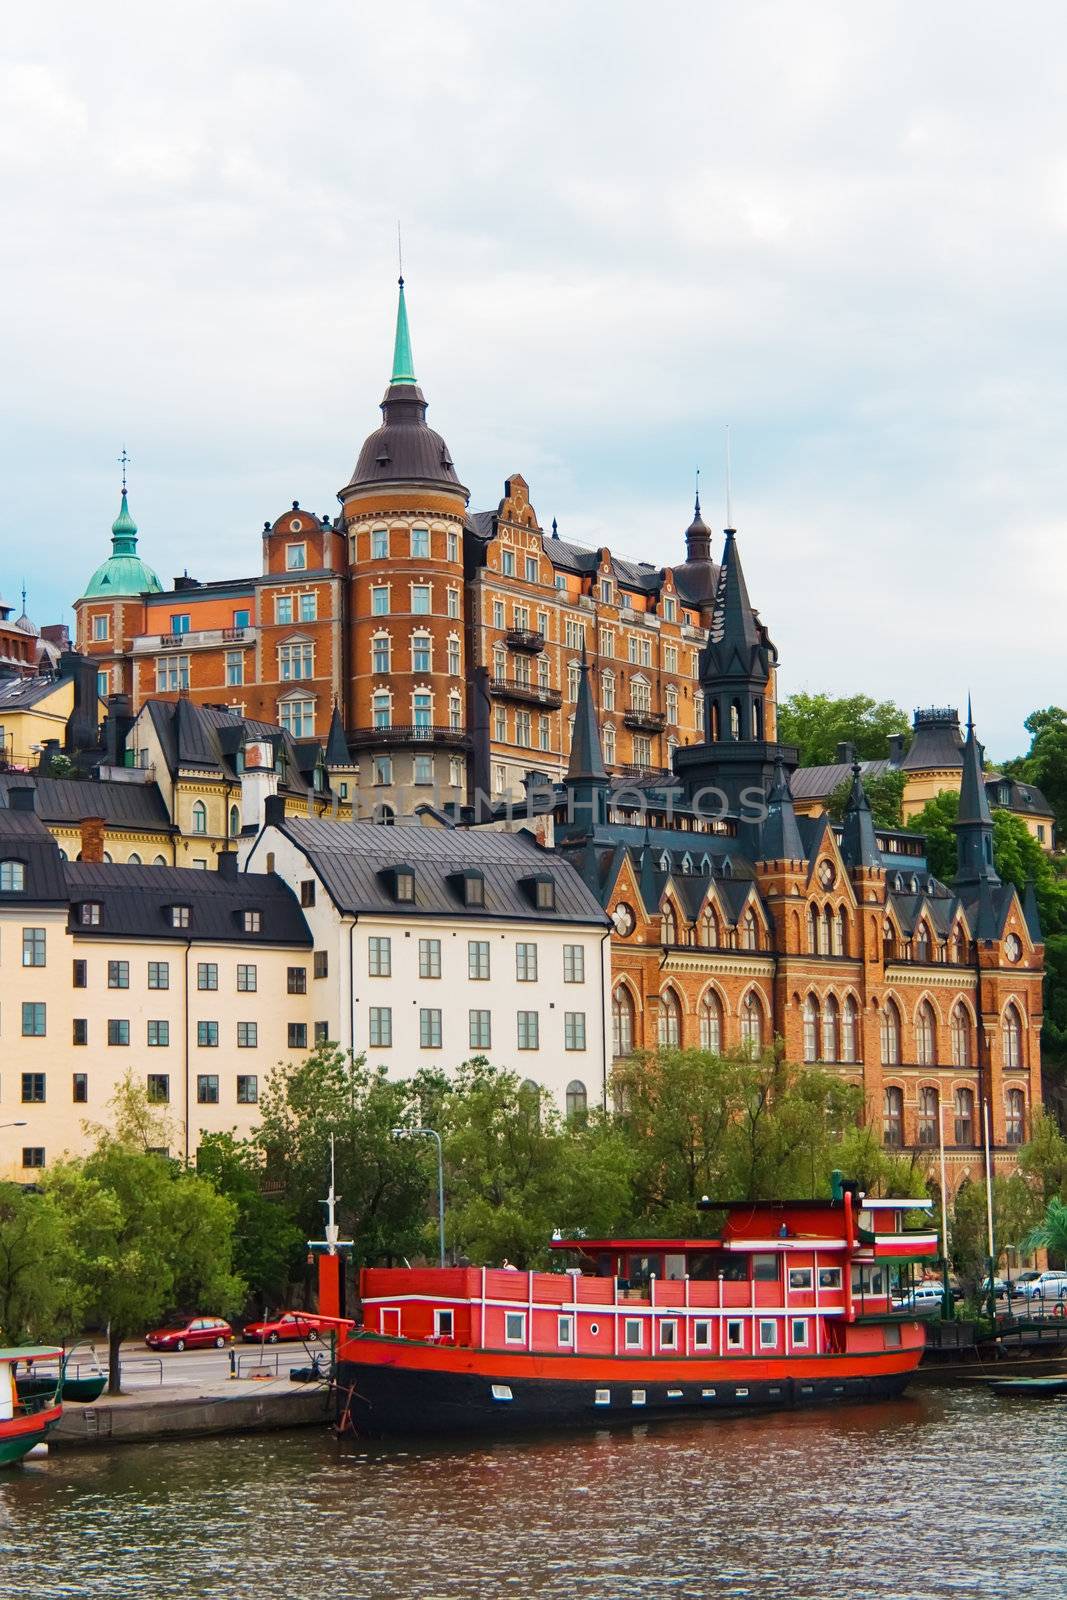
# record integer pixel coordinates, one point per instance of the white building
(435, 944)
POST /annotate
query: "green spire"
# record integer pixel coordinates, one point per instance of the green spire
(403, 362)
(123, 531)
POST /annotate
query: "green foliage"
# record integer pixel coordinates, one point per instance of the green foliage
(1051, 1232)
(1015, 1211)
(886, 796)
(936, 822)
(268, 1245)
(1043, 1160)
(1045, 764)
(817, 723)
(38, 1299)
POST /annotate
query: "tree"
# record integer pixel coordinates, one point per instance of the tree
(268, 1245)
(1051, 1232)
(38, 1299)
(886, 796)
(1043, 1159)
(937, 823)
(1045, 764)
(818, 723)
(1015, 1210)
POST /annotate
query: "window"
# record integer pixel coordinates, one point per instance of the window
(247, 1089)
(480, 1030)
(159, 974)
(849, 1030)
(379, 544)
(283, 608)
(307, 893)
(668, 1334)
(963, 1106)
(12, 876)
(800, 1277)
(207, 1089)
(295, 557)
(670, 1021)
(830, 1016)
(33, 1019)
(929, 1110)
(573, 963)
(100, 628)
(1011, 1038)
(528, 1030)
(622, 1022)
(381, 1026)
(246, 979)
(421, 653)
(322, 1032)
(241, 618)
(573, 634)
(235, 668)
(633, 1333)
(297, 1035)
(735, 1334)
(33, 1155)
(925, 1035)
(296, 660)
(207, 975)
(577, 1099)
(768, 1333)
(526, 963)
(711, 1022)
(420, 543)
(247, 1035)
(118, 1031)
(546, 894)
(379, 956)
(752, 1023)
(500, 725)
(765, 1267)
(453, 603)
(829, 1277)
(420, 599)
(158, 1085)
(702, 1334)
(321, 961)
(429, 1028)
(671, 702)
(172, 674)
(574, 1030)
(179, 916)
(199, 817)
(514, 1327)
(235, 821)
(524, 729)
(507, 563)
(960, 1028)
(309, 607)
(1014, 1116)
(429, 958)
(297, 717)
(565, 1330)
(207, 1035)
(893, 1118)
(33, 1088)
(159, 1034)
(532, 573)
(379, 601)
(80, 1030)
(798, 1332)
(380, 652)
(890, 1026)
(296, 980)
(811, 1029)
(478, 958)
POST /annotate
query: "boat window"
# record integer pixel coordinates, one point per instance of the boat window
(799, 1333)
(892, 1336)
(632, 1336)
(443, 1324)
(800, 1277)
(674, 1264)
(668, 1335)
(765, 1268)
(868, 1280)
(639, 1269)
(515, 1327)
(768, 1333)
(735, 1333)
(829, 1277)
(565, 1330)
(702, 1335)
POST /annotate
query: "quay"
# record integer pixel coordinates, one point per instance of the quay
(191, 1410)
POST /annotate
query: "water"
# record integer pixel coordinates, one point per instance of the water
(945, 1493)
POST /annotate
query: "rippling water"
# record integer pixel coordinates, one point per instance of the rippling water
(946, 1493)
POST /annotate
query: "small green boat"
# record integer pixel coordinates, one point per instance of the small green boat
(81, 1390)
(25, 1420)
(1035, 1388)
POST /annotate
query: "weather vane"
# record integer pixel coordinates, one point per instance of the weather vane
(125, 461)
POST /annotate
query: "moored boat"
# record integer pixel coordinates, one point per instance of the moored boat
(790, 1304)
(1030, 1388)
(27, 1419)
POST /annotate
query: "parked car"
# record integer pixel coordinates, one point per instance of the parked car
(1000, 1288)
(197, 1334)
(1046, 1286)
(1021, 1279)
(924, 1296)
(288, 1326)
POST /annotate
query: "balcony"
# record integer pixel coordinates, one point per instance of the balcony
(645, 721)
(694, 635)
(531, 640)
(407, 734)
(629, 769)
(149, 644)
(530, 694)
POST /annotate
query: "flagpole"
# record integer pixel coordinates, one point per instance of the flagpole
(989, 1212)
(948, 1309)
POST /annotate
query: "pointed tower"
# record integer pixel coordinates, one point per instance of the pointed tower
(586, 780)
(859, 847)
(123, 573)
(697, 576)
(780, 836)
(974, 828)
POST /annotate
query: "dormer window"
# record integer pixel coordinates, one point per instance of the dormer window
(545, 894)
(252, 921)
(179, 916)
(296, 557)
(89, 914)
(405, 885)
(12, 876)
(473, 889)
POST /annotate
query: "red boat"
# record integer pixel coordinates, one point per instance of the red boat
(790, 1305)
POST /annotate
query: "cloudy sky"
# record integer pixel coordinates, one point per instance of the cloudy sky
(839, 229)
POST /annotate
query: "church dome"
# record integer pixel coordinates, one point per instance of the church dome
(123, 573)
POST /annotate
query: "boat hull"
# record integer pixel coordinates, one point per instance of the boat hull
(394, 1397)
(19, 1436)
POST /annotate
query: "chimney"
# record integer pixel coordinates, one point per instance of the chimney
(227, 865)
(93, 830)
(259, 782)
(274, 811)
(83, 728)
(845, 752)
(117, 724)
(22, 799)
(897, 742)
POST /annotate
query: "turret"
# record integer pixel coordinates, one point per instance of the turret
(586, 780)
(974, 827)
(859, 847)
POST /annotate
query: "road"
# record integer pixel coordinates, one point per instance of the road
(141, 1366)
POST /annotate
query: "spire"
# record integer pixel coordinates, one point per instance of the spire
(859, 847)
(403, 362)
(1031, 914)
(336, 744)
(124, 531)
(587, 757)
(698, 534)
(733, 623)
(974, 829)
(780, 836)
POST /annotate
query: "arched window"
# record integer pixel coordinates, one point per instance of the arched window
(749, 931)
(199, 817)
(849, 1020)
(670, 1020)
(813, 930)
(959, 946)
(929, 1110)
(235, 821)
(1011, 1038)
(893, 1118)
(709, 928)
(668, 924)
(607, 737)
(830, 1016)
(960, 1025)
(622, 1021)
(922, 942)
(577, 1099)
(711, 1022)
(825, 924)
(811, 1029)
(925, 1035)
(890, 1034)
(752, 1024)
(381, 708)
(964, 1115)
(421, 653)
(735, 719)
(840, 933)
(1014, 1116)
(159, 862)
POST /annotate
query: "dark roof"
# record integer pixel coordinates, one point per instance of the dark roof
(938, 742)
(17, 694)
(137, 903)
(210, 737)
(337, 745)
(68, 800)
(1023, 797)
(819, 783)
(353, 859)
(24, 837)
(404, 449)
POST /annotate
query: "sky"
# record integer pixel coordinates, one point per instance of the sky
(838, 231)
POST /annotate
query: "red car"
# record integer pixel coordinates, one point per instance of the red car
(288, 1326)
(195, 1335)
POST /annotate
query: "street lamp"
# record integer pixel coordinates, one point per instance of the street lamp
(432, 1133)
(12, 1124)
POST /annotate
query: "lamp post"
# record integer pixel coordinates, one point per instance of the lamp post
(12, 1124)
(432, 1133)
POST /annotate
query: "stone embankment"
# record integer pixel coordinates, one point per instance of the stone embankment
(180, 1411)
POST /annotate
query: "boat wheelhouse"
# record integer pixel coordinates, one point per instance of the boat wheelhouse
(789, 1303)
(27, 1419)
